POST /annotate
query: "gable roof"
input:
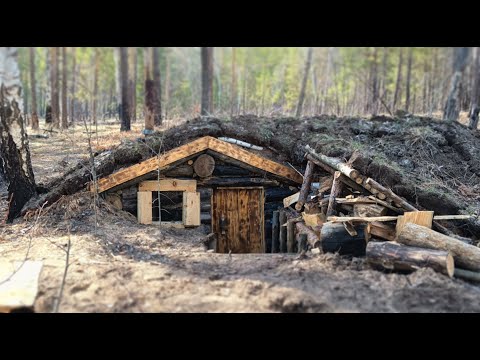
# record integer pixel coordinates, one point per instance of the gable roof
(193, 148)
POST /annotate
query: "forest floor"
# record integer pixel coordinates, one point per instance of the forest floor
(127, 267)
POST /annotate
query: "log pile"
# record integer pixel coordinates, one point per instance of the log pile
(354, 215)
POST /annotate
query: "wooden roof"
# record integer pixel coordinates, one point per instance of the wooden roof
(193, 148)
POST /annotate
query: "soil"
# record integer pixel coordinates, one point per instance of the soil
(127, 267)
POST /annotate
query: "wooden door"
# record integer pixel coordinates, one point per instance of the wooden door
(238, 220)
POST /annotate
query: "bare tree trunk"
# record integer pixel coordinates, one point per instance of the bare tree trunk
(14, 149)
(95, 87)
(398, 84)
(64, 89)
(244, 92)
(452, 108)
(132, 84)
(118, 80)
(33, 85)
(325, 83)
(125, 105)
(158, 86)
(207, 81)
(374, 72)
(409, 78)
(72, 88)
(167, 84)
(54, 86)
(303, 89)
(475, 108)
(233, 98)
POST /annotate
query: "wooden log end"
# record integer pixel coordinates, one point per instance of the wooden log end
(450, 265)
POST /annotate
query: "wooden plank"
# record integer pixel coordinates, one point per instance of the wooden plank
(168, 185)
(152, 164)
(233, 222)
(191, 209)
(259, 162)
(423, 218)
(292, 199)
(144, 207)
(243, 205)
(335, 219)
(19, 284)
(453, 217)
(313, 220)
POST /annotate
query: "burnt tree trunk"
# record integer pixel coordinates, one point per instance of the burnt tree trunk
(14, 149)
(125, 106)
(33, 85)
(152, 106)
(207, 81)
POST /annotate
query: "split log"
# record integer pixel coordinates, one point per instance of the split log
(422, 218)
(467, 275)
(290, 236)
(291, 199)
(283, 232)
(275, 232)
(335, 238)
(305, 189)
(394, 256)
(369, 210)
(335, 192)
(347, 181)
(465, 255)
(313, 219)
(312, 238)
(215, 181)
(335, 163)
(381, 230)
(204, 166)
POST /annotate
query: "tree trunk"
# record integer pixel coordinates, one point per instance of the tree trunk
(132, 81)
(72, 88)
(125, 105)
(312, 237)
(305, 189)
(233, 93)
(452, 108)
(151, 96)
(33, 85)
(334, 193)
(15, 152)
(64, 88)
(475, 108)
(167, 84)
(393, 256)
(283, 232)
(465, 255)
(118, 79)
(207, 81)
(95, 86)
(158, 86)
(303, 89)
(275, 232)
(54, 85)
(398, 85)
(409, 79)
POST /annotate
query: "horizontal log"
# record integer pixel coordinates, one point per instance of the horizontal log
(389, 193)
(465, 255)
(335, 163)
(168, 185)
(394, 256)
(335, 219)
(467, 275)
(240, 181)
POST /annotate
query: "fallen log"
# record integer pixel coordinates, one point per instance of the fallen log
(465, 255)
(312, 238)
(467, 275)
(335, 163)
(334, 193)
(381, 230)
(335, 238)
(305, 189)
(394, 256)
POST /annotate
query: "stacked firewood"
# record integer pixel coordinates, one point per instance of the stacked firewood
(355, 215)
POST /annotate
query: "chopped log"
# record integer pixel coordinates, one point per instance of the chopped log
(190, 162)
(347, 181)
(302, 242)
(290, 236)
(283, 232)
(292, 199)
(337, 188)
(313, 219)
(394, 256)
(350, 228)
(465, 255)
(381, 230)
(467, 275)
(423, 218)
(305, 189)
(336, 219)
(275, 232)
(335, 163)
(334, 238)
(204, 166)
(387, 192)
(312, 238)
(369, 210)
(236, 182)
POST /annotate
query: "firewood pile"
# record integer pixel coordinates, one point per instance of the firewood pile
(355, 215)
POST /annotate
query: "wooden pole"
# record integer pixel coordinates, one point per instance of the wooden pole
(337, 164)
(337, 187)
(290, 236)
(305, 189)
(302, 242)
(283, 232)
(275, 232)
